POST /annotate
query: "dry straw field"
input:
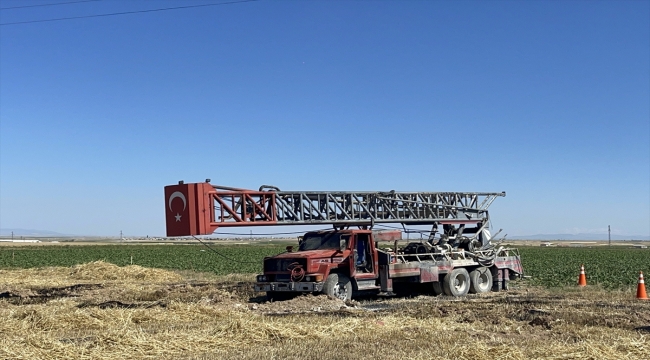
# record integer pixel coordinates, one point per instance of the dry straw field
(102, 311)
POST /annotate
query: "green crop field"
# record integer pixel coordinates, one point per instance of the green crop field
(609, 267)
(235, 259)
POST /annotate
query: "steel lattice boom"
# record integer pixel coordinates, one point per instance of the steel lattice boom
(200, 208)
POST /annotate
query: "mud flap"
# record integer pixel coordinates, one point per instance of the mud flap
(497, 278)
(385, 282)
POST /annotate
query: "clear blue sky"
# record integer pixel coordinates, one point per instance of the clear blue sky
(547, 100)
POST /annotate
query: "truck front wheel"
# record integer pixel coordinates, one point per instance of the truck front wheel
(456, 283)
(338, 286)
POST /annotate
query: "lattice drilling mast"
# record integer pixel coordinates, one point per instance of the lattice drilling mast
(201, 208)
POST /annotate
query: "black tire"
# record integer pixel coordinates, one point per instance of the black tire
(437, 286)
(338, 286)
(456, 283)
(480, 280)
(279, 295)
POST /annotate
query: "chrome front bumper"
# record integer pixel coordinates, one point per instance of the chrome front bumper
(289, 286)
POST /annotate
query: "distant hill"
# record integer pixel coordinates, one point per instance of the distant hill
(30, 232)
(578, 237)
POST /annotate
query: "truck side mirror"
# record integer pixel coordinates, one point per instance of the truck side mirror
(343, 244)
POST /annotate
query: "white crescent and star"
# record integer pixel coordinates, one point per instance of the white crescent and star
(177, 194)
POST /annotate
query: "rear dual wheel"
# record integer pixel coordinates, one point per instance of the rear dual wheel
(459, 282)
(456, 283)
(480, 280)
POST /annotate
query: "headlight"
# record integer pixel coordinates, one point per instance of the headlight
(261, 278)
(308, 278)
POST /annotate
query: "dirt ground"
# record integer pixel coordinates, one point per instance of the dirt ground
(99, 310)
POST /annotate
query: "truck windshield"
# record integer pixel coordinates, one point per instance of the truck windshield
(320, 241)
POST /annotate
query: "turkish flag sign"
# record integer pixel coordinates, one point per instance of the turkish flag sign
(188, 210)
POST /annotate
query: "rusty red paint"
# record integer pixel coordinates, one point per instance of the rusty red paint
(395, 273)
(445, 267)
(510, 262)
(190, 208)
(428, 274)
(387, 235)
(187, 211)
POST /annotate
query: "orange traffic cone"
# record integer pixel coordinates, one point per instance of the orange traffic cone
(640, 289)
(582, 280)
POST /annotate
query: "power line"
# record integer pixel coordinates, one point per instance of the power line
(222, 255)
(52, 4)
(126, 12)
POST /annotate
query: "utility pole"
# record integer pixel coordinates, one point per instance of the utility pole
(121, 237)
(609, 234)
(12, 236)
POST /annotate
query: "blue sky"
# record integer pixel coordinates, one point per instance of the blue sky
(546, 100)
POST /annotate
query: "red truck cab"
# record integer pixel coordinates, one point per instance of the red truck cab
(335, 262)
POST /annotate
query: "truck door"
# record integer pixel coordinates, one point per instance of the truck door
(363, 264)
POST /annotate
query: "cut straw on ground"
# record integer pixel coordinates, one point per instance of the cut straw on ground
(139, 313)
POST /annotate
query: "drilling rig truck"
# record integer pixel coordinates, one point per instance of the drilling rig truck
(458, 257)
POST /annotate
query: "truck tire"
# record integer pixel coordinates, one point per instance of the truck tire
(480, 280)
(338, 286)
(437, 286)
(456, 283)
